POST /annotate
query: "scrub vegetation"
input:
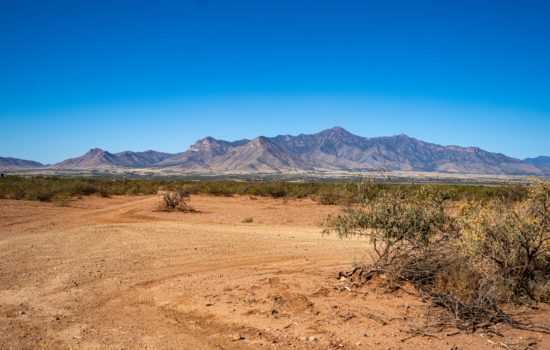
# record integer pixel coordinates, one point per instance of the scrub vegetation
(475, 253)
(474, 257)
(329, 193)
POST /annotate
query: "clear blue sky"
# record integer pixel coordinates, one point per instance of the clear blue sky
(160, 74)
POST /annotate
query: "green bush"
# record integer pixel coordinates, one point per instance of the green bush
(495, 250)
(344, 193)
(397, 224)
(329, 197)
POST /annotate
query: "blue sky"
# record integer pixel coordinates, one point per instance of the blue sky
(161, 74)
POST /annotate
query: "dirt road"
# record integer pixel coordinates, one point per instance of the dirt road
(115, 273)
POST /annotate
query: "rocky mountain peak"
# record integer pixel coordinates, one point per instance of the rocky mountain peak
(94, 151)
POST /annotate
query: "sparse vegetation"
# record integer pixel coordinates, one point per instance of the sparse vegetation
(329, 196)
(61, 199)
(44, 189)
(493, 251)
(177, 200)
(473, 253)
(511, 241)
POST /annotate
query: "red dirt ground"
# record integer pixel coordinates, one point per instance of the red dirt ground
(114, 273)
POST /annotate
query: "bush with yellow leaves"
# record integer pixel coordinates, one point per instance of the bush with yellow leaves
(510, 240)
(491, 251)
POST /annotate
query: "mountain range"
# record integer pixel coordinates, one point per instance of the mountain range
(98, 158)
(8, 163)
(541, 161)
(330, 150)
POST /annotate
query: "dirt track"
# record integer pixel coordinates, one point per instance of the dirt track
(115, 273)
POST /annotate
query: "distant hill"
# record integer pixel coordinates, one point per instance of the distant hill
(8, 163)
(541, 161)
(97, 158)
(141, 159)
(334, 149)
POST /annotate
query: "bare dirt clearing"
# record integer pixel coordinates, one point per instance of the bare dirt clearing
(115, 273)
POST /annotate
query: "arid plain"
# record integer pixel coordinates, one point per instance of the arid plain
(115, 273)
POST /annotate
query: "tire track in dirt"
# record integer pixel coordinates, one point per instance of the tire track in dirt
(114, 273)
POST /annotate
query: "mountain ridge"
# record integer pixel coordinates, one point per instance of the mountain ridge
(334, 149)
(9, 163)
(96, 158)
(540, 161)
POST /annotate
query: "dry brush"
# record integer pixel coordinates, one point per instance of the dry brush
(473, 260)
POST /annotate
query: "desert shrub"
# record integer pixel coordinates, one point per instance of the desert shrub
(177, 200)
(83, 189)
(511, 240)
(61, 199)
(493, 251)
(44, 188)
(347, 193)
(44, 195)
(103, 192)
(221, 189)
(304, 190)
(353, 192)
(248, 220)
(541, 291)
(395, 223)
(270, 189)
(328, 196)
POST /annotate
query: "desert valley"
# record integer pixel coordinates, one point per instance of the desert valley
(275, 174)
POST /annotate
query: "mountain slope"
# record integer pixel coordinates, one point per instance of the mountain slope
(199, 154)
(405, 153)
(8, 163)
(337, 148)
(141, 159)
(98, 158)
(330, 150)
(258, 155)
(540, 161)
(94, 158)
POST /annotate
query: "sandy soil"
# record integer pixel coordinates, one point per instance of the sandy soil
(115, 273)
